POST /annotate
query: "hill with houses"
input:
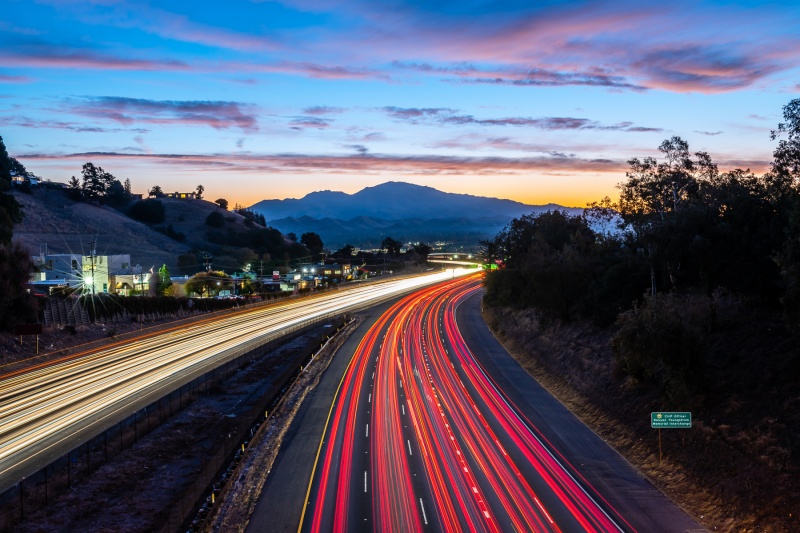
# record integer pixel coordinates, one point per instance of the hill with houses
(56, 224)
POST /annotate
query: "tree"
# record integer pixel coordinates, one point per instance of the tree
(150, 211)
(786, 162)
(16, 304)
(652, 197)
(199, 192)
(127, 187)
(96, 182)
(422, 250)
(10, 209)
(391, 246)
(345, 251)
(164, 281)
(312, 241)
(116, 195)
(156, 192)
(222, 202)
(206, 283)
(5, 167)
(74, 189)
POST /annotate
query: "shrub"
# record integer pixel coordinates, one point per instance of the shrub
(172, 233)
(149, 211)
(663, 340)
(215, 220)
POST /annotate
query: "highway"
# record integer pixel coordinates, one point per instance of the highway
(47, 410)
(421, 438)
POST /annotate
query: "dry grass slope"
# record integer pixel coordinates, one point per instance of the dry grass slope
(66, 226)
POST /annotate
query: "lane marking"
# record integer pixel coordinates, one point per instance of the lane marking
(369, 400)
(367, 431)
(409, 447)
(424, 516)
(365, 481)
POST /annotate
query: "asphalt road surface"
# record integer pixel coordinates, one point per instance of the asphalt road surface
(435, 427)
(47, 410)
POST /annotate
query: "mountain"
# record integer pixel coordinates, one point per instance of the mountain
(404, 211)
(391, 201)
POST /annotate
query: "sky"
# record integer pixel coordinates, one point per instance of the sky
(534, 101)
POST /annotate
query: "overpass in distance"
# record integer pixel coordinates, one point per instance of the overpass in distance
(455, 258)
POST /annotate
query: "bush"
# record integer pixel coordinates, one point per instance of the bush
(172, 233)
(149, 211)
(215, 220)
(663, 340)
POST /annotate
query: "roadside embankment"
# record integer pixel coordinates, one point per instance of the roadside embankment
(735, 469)
(237, 503)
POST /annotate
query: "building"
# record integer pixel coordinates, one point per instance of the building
(181, 195)
(94, 274)
(337, 272)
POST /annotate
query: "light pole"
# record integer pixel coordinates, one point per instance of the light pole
(91, 256)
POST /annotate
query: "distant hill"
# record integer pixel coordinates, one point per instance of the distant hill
(404, 211)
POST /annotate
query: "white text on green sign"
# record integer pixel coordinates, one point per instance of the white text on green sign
(663, 419)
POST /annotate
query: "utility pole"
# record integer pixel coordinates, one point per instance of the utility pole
(91, 255)
(261, 277)
(207, 259)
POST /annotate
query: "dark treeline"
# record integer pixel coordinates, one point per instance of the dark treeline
(16, 305)
(660, 261)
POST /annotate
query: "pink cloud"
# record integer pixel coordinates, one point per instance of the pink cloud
(314, 70)
(216, 114)
(300, 123)
(60, 57)
(4, 78)
(358, 163)
(616, 45)
(447, 116)
(78, 127)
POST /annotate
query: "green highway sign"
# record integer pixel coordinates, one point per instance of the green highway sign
(662, 419)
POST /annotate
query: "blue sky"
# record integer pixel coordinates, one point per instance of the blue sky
(535, 101)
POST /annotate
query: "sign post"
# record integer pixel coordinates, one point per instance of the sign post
(669, 420)
(29, 329)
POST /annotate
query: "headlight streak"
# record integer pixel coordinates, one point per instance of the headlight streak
(41, 406)
(465, 436)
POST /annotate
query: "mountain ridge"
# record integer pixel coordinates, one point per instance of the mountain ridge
(399, 209)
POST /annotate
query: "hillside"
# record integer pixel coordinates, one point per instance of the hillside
(54, 221)
(736, 470)
(367, 232)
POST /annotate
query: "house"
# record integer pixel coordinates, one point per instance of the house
(337, 272)
(181, 195)
(135, 282)
(20, 180)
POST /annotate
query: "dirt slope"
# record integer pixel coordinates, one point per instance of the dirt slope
(61, 225)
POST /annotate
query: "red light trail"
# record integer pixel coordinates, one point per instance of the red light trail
(420, 438)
